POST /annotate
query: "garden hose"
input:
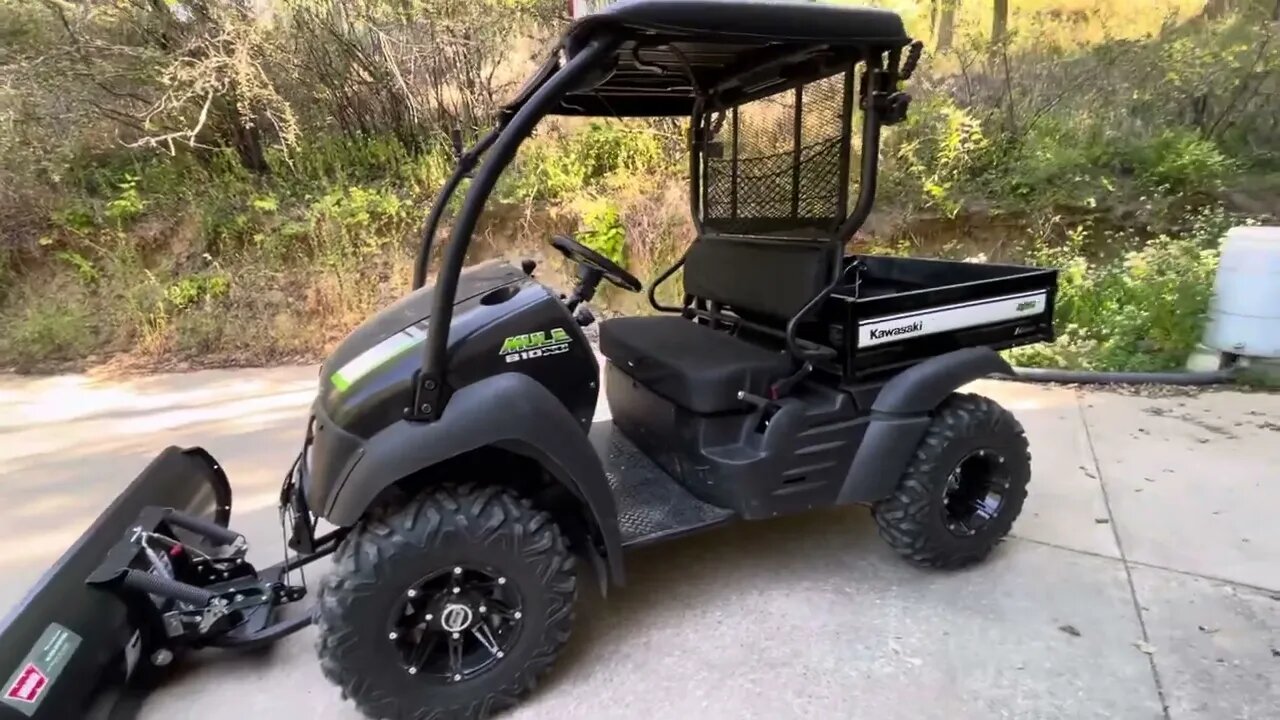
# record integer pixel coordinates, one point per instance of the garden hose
(1088, 377)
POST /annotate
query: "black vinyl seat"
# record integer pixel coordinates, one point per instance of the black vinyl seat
(689, 364)
(702, 369)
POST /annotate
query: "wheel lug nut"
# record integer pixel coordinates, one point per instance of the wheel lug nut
(501, 654)
(457, 571)
(457, 678)
(517, 615)
(430, 617)
(393, 636)
(483, 609)
(457, 590)
(455, 636)
(502, 581)
(413, 593)
(413, 671)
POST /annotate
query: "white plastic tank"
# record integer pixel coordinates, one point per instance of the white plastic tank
(1244, 316)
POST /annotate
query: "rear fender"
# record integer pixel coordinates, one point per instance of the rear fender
(902, 412)
(511, 411)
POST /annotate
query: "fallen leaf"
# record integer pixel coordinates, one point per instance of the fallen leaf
(1070, 630)
(1206, 629)
(1145, 647)
(1102, 521)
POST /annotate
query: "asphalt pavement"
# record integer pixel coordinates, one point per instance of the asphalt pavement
(1142, 581)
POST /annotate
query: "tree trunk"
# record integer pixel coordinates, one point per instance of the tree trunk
(1000, 22)
(1216, 9)
(947, 24)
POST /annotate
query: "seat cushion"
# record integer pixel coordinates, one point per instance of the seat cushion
(691, 365)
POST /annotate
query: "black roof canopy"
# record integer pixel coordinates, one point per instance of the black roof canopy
(728, 50)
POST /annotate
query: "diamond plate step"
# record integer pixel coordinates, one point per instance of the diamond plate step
(651, 505)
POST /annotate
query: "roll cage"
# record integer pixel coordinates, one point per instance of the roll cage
(707, 60)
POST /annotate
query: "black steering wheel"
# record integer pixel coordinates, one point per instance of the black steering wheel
(592, 260)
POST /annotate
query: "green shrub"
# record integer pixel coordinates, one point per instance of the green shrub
(128, 203)
(944, 146)
(193, 289)
(1142, 311)
(53, 327)
(1179, 160)
(602, 230)
(553, 169)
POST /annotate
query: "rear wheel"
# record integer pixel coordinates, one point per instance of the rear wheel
(963, 489)
(452, 605)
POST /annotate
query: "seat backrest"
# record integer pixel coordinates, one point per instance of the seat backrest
(757, 276)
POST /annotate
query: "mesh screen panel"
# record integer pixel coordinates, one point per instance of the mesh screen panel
(777, 173)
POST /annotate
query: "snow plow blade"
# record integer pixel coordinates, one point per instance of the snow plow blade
(76, 639)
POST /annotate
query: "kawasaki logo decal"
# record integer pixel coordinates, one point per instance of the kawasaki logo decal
(878, 333)
(535, 345)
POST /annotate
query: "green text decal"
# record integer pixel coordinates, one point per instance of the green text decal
(534, 345)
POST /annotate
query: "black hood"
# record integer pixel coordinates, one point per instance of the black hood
(416, 307)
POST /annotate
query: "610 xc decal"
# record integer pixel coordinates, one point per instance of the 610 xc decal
(535, 345)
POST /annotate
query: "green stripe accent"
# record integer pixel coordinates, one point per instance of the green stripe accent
(377, 356)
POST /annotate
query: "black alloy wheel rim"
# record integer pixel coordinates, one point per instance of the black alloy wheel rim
(975, 492)
(456, 623)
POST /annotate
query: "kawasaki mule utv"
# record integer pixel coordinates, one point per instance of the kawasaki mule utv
(452, 443)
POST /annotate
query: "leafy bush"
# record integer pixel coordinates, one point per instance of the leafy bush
(1180, 161)
(186, 292)
(57, 327)
(553, 169)
(1142, 311)
(602, 230)
(948, 146)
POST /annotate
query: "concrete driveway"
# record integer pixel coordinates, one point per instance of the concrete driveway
(1143, 581)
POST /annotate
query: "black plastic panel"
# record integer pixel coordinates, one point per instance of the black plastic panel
(652, 506)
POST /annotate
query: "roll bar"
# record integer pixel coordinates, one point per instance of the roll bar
(881, 103)
(429, 397)
(466, 163)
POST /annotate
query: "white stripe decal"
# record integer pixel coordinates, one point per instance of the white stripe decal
(955, 317)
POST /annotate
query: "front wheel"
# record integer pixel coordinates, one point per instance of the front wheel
(450, 606)
(963, 489)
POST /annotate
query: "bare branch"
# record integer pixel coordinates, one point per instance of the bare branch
(187, 136)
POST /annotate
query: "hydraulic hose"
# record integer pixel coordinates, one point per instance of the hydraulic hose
(1088, 377)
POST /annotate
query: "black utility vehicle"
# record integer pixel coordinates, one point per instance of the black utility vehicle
(453, 446)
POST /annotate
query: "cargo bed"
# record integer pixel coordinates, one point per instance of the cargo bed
(897, 311)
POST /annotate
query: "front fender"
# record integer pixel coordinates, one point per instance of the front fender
(900, 415)
(512, 411)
